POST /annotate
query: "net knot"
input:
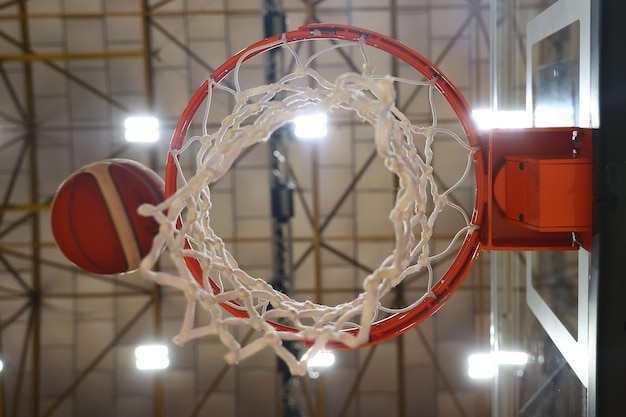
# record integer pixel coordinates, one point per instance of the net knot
(423, 260)
(242, 292)
(440, 200)
(368, 68)
(272, 338)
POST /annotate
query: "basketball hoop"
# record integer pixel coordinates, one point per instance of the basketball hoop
(209, 275)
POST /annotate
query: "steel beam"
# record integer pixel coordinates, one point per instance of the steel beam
(92, 365)
(26, 49)
(70, 56)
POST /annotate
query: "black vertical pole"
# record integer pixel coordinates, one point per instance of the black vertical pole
(281, 194)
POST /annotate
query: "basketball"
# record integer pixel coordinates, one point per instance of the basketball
(94, 215)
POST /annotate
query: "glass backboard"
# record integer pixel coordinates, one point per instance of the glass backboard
(557, 63)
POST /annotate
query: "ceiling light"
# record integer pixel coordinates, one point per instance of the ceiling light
(311, 126)
(486, 119)
(152, 357)
(483, 365)
(141, 129)
(322, 359)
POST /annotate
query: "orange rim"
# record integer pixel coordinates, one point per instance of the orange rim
(398, 323)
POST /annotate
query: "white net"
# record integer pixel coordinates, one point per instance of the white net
(187, 229)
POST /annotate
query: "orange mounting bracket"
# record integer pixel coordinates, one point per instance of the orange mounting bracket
(539, 189)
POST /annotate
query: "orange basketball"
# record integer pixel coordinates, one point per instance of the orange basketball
(94, 215)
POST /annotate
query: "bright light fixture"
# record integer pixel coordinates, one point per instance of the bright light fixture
(151, 357)
(483, 365)
(555, 115)
(486, 119)
(323, 359)
(1, 366)
(311, 126)
(512, 358)
(141, 129)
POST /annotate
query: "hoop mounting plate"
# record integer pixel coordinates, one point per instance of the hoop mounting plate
(503, 229)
